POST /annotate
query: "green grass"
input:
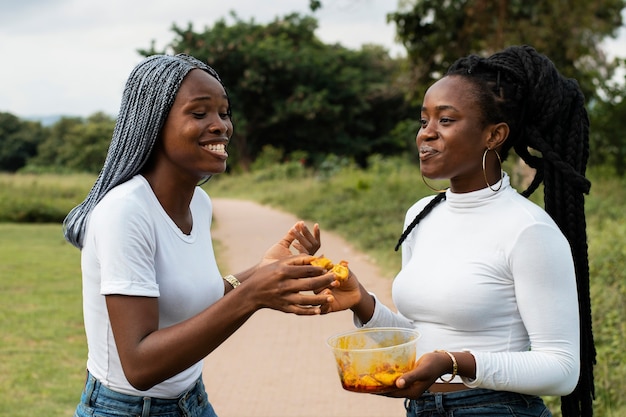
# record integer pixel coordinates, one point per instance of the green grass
(42, 345)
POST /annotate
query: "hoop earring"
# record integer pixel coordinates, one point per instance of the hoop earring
(430, 186)
(485, 170)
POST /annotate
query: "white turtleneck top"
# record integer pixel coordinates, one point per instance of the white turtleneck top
(491, 273)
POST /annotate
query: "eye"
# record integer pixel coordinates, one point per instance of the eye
(198, 115)
(423, 122)
(445, 120)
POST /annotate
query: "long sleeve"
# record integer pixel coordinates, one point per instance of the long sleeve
(545, 290)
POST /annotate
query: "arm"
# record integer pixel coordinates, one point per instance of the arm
(150, 355)
(545, 288)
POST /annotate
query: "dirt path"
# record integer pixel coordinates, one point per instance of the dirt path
(278, 365)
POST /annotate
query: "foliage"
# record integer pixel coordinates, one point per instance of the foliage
(75, 144)
(18, 141)
(607, 129)
(291, 91)
(436, 33)
(28, 198)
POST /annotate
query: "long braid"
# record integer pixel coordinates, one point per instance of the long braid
(425, 211)
(545, 112)
(147, 99)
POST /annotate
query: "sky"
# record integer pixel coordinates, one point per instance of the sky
(72, 57)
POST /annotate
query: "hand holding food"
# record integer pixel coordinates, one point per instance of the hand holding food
(340, 270)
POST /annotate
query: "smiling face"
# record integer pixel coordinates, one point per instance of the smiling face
(197, 130)
(453, 136)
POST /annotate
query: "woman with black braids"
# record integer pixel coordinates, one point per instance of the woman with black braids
(155, 303)
(496, 285)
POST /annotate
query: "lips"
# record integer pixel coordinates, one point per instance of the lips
(426, 152)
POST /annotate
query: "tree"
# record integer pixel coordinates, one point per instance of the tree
(291, 91)
(607, 129)
(436, 33)
(75, 144)
(48, 150)
(18, 141)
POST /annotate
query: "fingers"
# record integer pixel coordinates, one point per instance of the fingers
(303, 240)
(302, 260)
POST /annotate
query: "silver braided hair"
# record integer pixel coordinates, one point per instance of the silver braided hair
(146, 102)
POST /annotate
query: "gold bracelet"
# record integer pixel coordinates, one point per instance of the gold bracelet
(232, 281)
(455, 366)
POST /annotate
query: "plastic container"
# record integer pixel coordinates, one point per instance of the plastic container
(370, 360)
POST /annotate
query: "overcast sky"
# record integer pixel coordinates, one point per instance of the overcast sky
(72, 57)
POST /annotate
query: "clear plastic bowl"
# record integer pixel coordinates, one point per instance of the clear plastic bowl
(370, 360)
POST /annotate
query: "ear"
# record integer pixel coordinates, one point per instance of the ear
(498, 134)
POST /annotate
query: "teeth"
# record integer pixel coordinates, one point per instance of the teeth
(219, 148)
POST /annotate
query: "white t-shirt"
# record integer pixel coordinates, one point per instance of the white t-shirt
(491, 273)
(133, 247)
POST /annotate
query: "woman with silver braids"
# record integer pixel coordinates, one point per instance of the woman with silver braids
(497, 286)
(154, 301)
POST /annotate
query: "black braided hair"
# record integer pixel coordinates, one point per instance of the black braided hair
(549, 131)
(425, 211)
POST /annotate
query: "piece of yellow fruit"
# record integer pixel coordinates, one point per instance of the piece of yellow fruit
(322, 262)
(387, 378)
(341, 271)
(369, 381)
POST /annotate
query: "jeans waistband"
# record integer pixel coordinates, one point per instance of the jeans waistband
(445, 401)
(98, 395)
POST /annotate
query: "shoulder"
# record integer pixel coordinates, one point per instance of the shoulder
(129, 200)
(532, 227)
(201, 204)
(200, 197)
(527, 211)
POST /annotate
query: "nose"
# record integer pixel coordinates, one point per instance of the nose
(426, 132)
(219, 124)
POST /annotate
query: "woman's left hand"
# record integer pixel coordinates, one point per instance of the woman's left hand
(427, 370)
(300, 237)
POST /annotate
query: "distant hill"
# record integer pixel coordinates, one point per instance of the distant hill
(47, 120)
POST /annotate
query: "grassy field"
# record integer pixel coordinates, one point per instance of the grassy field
(42, 342)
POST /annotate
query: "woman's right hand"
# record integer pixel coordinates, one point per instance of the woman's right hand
(291, 285)
(345, 295)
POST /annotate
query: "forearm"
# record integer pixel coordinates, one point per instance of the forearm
(241, 277)
(534, 373)
(163, 353)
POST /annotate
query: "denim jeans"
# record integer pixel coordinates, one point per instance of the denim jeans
(475, 403)
(99, 401)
